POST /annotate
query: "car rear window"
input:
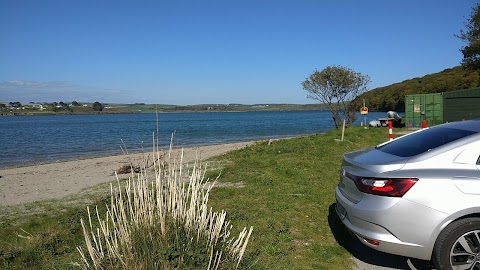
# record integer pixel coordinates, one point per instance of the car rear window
(423, 141)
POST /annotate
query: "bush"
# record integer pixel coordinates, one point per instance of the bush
(162, 224)
(97, 106)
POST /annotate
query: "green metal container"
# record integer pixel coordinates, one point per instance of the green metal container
(427, 107)
(440, 108)
(461, 105)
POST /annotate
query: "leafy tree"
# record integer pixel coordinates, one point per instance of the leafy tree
(15, 104)
(336, 86)
(392, 97)
(471, 52)
(97, 106)
(74, 103)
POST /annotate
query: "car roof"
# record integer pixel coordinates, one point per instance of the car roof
(472, 125)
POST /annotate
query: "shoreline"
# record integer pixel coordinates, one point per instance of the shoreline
(134, 152)
(115, 153)
(38, 182)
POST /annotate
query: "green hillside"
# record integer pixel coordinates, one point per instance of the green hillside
(392, 97)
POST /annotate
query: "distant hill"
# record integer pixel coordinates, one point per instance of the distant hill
(392, 97)
(16, 108)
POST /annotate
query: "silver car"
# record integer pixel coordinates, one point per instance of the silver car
(417, 196)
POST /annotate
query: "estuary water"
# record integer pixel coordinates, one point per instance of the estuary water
(26, 140)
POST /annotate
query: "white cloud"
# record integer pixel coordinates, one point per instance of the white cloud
(49, 91)
(32, 84)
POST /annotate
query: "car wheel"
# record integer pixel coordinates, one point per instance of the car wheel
(458, 246)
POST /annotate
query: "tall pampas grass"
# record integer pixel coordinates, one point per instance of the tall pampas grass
(159, 219)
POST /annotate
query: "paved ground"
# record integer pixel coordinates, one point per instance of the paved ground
(370, 259)
(367, 258)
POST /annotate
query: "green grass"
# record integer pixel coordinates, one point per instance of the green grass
(286, 193)
(288, 197)
(43, 236)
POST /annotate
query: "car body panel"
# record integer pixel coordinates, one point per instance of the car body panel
(378, 161)
(467, 185)
(366, 224)
(469, 155)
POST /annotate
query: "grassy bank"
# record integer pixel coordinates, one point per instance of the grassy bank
(288, 195)
(284, 189)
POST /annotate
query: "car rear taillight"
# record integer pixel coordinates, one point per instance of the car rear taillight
(391, 187)
(371, 241)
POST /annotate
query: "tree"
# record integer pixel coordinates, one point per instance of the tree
(471, 52)
(97, 106)
(15, 104)
(336, 86)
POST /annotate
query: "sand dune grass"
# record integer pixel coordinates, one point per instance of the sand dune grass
(162, 223)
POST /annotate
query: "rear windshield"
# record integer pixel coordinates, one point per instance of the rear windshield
(423, 141)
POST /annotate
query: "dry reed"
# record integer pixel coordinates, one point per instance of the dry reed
(161, 223)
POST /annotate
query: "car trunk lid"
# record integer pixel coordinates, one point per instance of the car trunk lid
(365, 163)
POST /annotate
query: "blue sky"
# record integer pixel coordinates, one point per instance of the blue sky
(225, 51)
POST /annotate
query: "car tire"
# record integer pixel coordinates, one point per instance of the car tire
(449, 251)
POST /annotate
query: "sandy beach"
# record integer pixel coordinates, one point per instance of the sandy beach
(57, 180)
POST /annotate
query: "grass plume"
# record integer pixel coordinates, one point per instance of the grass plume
(163, 222)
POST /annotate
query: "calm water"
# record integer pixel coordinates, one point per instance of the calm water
(32, 139)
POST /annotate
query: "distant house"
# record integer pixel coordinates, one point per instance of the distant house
(36, 106)
(260, 106)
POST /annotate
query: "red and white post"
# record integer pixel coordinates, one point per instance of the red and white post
(424, 123)
(390, 131)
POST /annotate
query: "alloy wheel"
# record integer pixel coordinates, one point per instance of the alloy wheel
(465, 252)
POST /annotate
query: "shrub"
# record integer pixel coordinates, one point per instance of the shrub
(97, 106)
(162, 223)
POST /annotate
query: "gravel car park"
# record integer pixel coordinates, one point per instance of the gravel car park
(417, 196)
